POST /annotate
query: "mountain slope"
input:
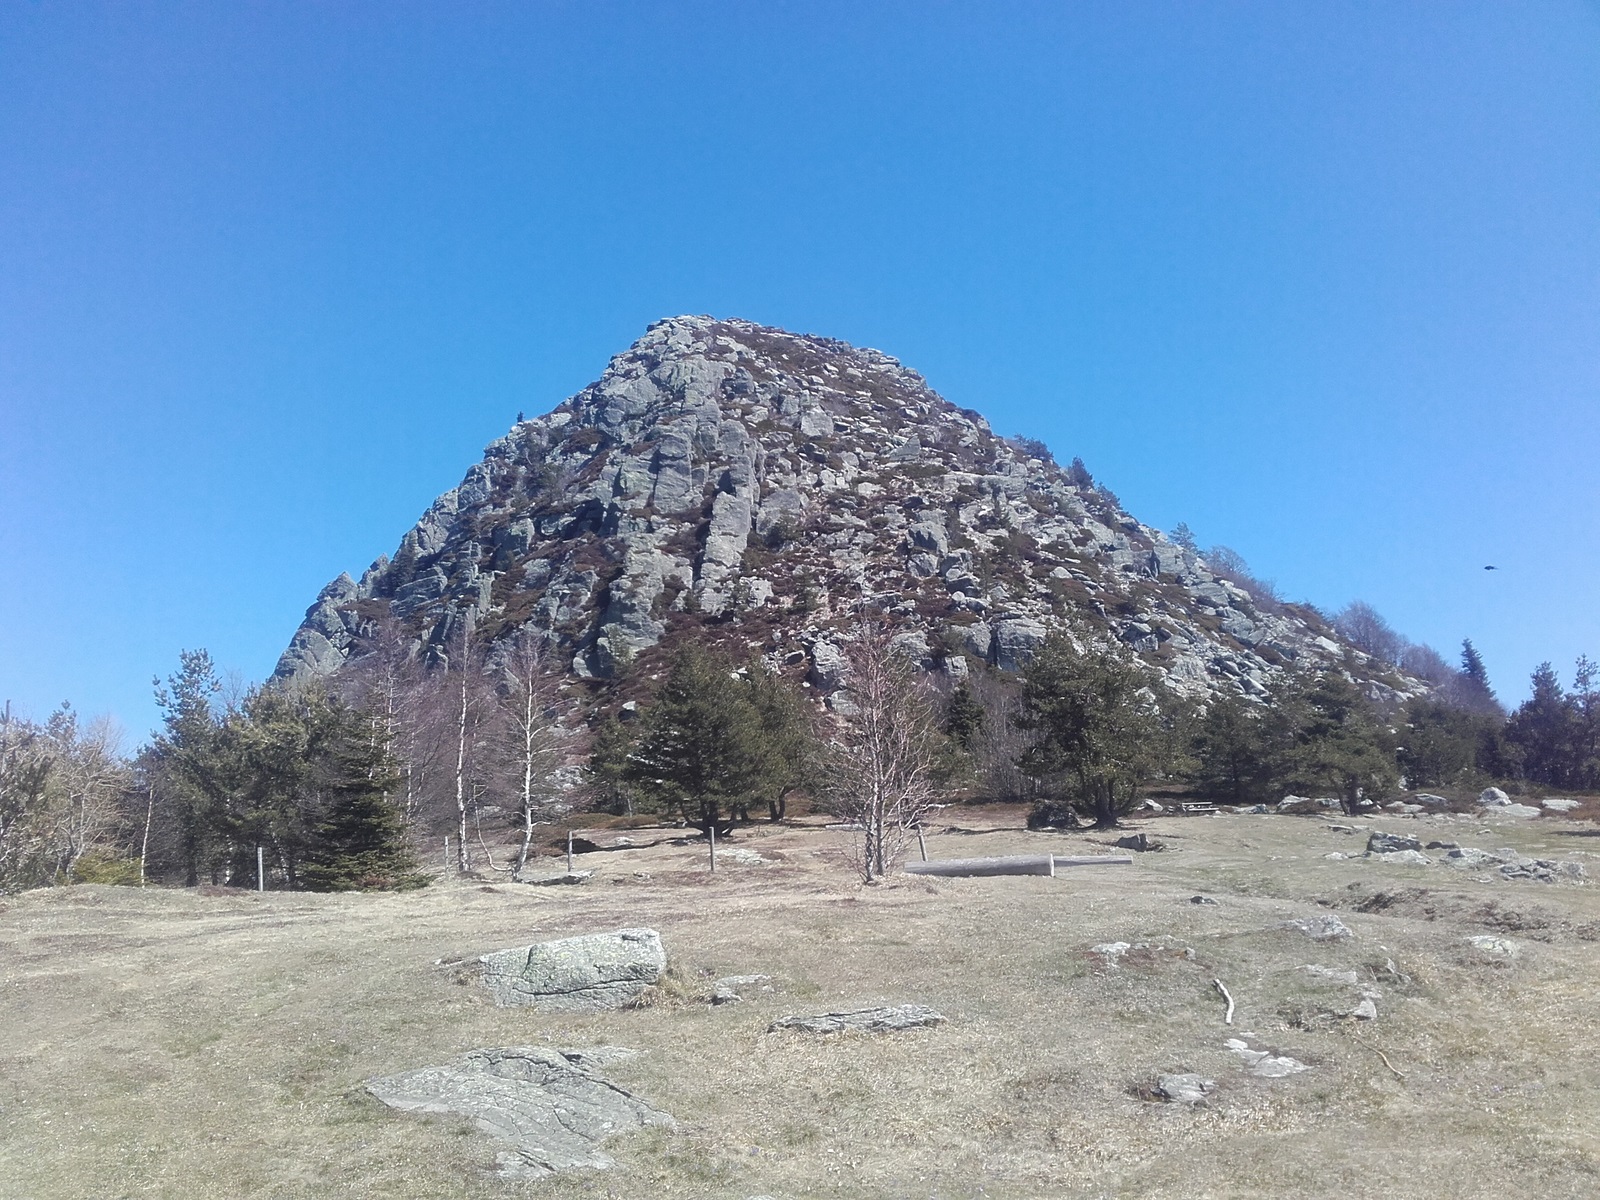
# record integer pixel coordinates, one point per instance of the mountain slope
(725, 476)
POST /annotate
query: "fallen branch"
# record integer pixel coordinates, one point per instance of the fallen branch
(1228, 1019)
(1397, 1073)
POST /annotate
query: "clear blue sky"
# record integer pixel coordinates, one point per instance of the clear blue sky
(1320, 279)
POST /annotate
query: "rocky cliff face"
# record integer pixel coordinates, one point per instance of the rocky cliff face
(723, 474)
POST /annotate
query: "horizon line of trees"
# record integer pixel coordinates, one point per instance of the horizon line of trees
(339, 787)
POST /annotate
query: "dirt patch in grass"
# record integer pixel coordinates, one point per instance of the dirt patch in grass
(170, 1043)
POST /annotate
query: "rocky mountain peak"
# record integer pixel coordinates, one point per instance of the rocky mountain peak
(726, 479)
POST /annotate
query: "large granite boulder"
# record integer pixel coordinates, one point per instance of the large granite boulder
(549, 1105)
(580, 974)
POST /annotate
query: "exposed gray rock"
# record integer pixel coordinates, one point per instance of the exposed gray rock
(730, 989)
(1265, 1063)
(883, 1019)
(579, 974)
(1184, 1089)
(1385, 843)
(1405, 858)
(723, 466)
(1324, 928)
(1493, 797)
(1498, 946)
(1515, 810)
(1556, 804)
(554, 1112)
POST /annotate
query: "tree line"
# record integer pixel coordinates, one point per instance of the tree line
(461, 744)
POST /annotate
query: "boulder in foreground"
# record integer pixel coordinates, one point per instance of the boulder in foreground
(580, 974)
(555, 1112)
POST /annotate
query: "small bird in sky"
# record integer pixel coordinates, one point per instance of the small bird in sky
(1491, 568)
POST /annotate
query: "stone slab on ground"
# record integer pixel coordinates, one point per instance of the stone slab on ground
(883, 1019)
(554, 1112)
(580, 974)
(1184, 1089)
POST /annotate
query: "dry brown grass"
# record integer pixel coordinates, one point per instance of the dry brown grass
(165, 1043)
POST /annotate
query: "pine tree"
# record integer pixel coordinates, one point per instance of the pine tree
(1470, 689)
(1541, 731)
(699, 751)
(1100, 724)
(787, 746)
(1340, 743)
(964, 717)
(359, 837)
(1230, 751)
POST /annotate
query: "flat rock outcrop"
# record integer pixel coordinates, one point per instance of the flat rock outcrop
(578, 974)
(882, 1019)
(551, 1107)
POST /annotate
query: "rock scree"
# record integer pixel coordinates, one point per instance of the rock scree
(554, 1112)
(579, 974)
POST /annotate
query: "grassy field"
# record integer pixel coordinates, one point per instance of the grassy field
(179, 1044)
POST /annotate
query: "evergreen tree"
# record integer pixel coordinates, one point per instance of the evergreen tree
(187, 766)
(787, 746)
(1541, 731)
(358, 837)
(1443, 743)
(964, 717)
(1230, 751)
(607, 768)
(700, 749)
(1470, 689)
(1340, 743)
(1183, 537)
(1103, 723)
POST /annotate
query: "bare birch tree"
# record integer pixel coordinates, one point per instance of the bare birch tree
(885, 759)
(527, 697)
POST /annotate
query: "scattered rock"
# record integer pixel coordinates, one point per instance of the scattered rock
(591, 1057)
(1137, 841)
(1365, 1011)
(1201, 900)
(1409, 858)
(1184, 1089)
(1325, 928)
(1264, 1062)
(1441, 846)
(745, 858)
(554, 1111)
(883, 1019)
(1516, 810)
(1489, 944)
(1556, 804)
(565, 878)
(1493, 797)
(1386, 843)
(1429, 798)
(1470, 857)
(1337, 854)
(580, 974)
(730, 989)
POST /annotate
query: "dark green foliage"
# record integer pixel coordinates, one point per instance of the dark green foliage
(1443, 743)
(1078, 474)
(1553, 738)
(1103, 725)
(295, 772)
(1233, 751)
(358, 837)
(1183, 536)
(712, 744)
(964, 717)
(787, 745)
(1339, 742)
(1470, 689)
(607, 767)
